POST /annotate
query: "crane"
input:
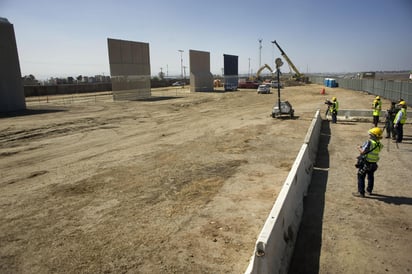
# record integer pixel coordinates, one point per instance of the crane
(298, 75)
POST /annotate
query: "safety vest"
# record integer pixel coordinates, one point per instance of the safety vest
(374, 148)
(377, 106)
(334, 106)
(403, 119)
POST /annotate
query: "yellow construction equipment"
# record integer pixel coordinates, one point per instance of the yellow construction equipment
(261, 69)
(298, 76)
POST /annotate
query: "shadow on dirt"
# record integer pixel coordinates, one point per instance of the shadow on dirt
(306, 254)
(396, 200)
(286, 117)
(346, 123)
(157, 98)
(27, 112)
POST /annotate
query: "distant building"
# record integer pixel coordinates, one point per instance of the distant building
(367, 75)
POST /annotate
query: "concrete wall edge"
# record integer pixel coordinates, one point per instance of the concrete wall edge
(275, 243)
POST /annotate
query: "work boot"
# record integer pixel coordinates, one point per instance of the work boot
(358, 194)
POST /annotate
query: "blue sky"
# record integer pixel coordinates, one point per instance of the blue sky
(69, 38)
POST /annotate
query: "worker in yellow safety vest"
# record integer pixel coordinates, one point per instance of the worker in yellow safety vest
(369, 156)
(399, 121)
(333, 109)
(377, 107)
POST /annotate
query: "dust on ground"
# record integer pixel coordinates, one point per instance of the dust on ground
(180, 183)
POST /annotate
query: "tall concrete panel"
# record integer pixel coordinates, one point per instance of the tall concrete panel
(129, 69)
(230, 71)
(201, 79)
(11, 85)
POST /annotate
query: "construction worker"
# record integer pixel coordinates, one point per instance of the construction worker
(399, 121)
(333, 109)
(377, 107)
(389, 117)
(369, 152)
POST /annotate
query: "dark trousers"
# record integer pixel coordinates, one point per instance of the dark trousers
(375, 120)
(399, 132)
(368, 169)
(334, 116)
(389, 128)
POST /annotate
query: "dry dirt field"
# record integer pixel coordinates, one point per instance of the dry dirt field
(181, 183)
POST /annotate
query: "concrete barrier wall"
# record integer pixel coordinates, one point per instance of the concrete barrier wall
(275, 244)
(312, 136)
(363, 114)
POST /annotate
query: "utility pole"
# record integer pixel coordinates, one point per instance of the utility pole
(181, 63)
(248, 71)
(260, 52)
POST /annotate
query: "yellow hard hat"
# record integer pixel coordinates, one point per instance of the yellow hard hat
(334, 99)
(377, 132)
(378, 98)
(402, 103)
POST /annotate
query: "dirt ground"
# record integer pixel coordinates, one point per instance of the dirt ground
(181, 183)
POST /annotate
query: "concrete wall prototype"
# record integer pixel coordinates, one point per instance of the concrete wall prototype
(275, 244)
(129, 69)
(11, 86)
(230, 71)
(201, 79)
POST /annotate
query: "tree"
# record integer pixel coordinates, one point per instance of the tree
(79, 78)
(30, 80)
